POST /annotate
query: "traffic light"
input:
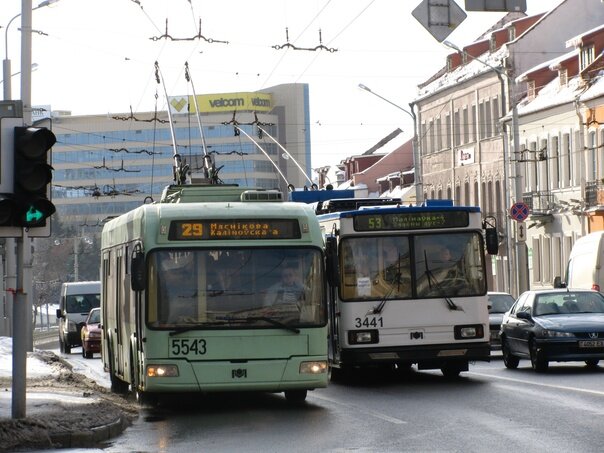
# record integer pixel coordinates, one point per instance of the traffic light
(31, 176)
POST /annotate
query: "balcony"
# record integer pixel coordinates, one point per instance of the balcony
(594, 194)
(539, 202)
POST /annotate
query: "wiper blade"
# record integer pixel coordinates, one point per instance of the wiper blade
(272, 321)
(195, 327)
(432, 279)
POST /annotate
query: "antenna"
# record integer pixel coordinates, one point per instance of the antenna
(180, 170)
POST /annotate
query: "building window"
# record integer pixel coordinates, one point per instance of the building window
(466, 193)
(566, 158)
(466, 125)
(476, 194)
(541, 164)
(439, 134)
(456, 128)
(593, 156)
(536, 260)
(473, 124)
(511, 33)
(481, 121)
(495, 108)
(563, 77)
(546, 267)
(587, 56)
(488, 118)
(448, 130)
(530, 89)
(555, 162)
(577, 157)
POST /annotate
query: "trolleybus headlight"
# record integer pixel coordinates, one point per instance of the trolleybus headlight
(469, 331)
(363, 336)
(317, 367)
(162, 371)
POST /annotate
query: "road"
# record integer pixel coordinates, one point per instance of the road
(488, 409)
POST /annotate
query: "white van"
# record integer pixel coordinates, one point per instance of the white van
(77, 299)
(584, 269)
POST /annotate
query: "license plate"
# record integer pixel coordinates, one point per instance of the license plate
(591, 344)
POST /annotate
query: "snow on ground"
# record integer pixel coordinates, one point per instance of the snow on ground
(35, 366)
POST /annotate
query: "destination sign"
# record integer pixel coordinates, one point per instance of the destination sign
(410, 220)
(194, 230)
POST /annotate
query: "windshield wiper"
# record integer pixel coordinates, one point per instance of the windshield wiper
(398, 279)
(432, 279)
(197, 327)
(272, 321)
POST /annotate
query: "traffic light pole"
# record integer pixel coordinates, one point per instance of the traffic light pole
(22, 307)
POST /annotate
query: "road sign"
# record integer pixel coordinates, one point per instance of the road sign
(439, 17)
(521, 231)
(519, 211)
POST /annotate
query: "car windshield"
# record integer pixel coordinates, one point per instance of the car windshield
(94, 317)
(568, 302)
(500, 303)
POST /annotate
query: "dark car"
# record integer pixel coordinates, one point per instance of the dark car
(556, 325)
(499, 303)
(91, 333)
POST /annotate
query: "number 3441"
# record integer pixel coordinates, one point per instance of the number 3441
(366, 322)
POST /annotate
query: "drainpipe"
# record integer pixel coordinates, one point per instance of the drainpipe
(581, 148)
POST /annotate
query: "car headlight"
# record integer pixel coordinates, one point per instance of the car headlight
(557, 334)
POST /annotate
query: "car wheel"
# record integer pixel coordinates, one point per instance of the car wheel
(509, 360)
(66, 348)
(538, 360)
(87, 354)
(592, 363)
(295, 396)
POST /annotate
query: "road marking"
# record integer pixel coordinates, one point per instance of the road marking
(379, 415)
(522, 381)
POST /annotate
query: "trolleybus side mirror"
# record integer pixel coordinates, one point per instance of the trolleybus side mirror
(137, 271)
(333, 268)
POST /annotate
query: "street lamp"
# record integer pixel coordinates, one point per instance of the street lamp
(417, 164)
(521, 256)
(6, 63)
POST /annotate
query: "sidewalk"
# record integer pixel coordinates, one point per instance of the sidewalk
(64, 409)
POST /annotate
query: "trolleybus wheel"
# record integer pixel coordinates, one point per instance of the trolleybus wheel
(450, 371)
(295, 396)
(592, 363)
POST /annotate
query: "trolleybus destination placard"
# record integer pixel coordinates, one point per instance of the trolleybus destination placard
(190, 230)
(410, 220)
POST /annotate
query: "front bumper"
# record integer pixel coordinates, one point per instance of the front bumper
(433, 356)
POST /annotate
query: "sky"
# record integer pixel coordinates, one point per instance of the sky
(98, 56)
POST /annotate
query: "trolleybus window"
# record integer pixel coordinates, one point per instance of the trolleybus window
(381, 267)
(205, 288)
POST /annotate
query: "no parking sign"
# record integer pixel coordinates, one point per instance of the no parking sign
(519, 211)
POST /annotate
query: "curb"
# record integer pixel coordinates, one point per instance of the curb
(90, 437)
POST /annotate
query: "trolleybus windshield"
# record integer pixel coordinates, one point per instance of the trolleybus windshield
(238, 288)
(412, 266)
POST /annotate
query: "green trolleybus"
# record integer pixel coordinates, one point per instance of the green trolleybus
(214, 288)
